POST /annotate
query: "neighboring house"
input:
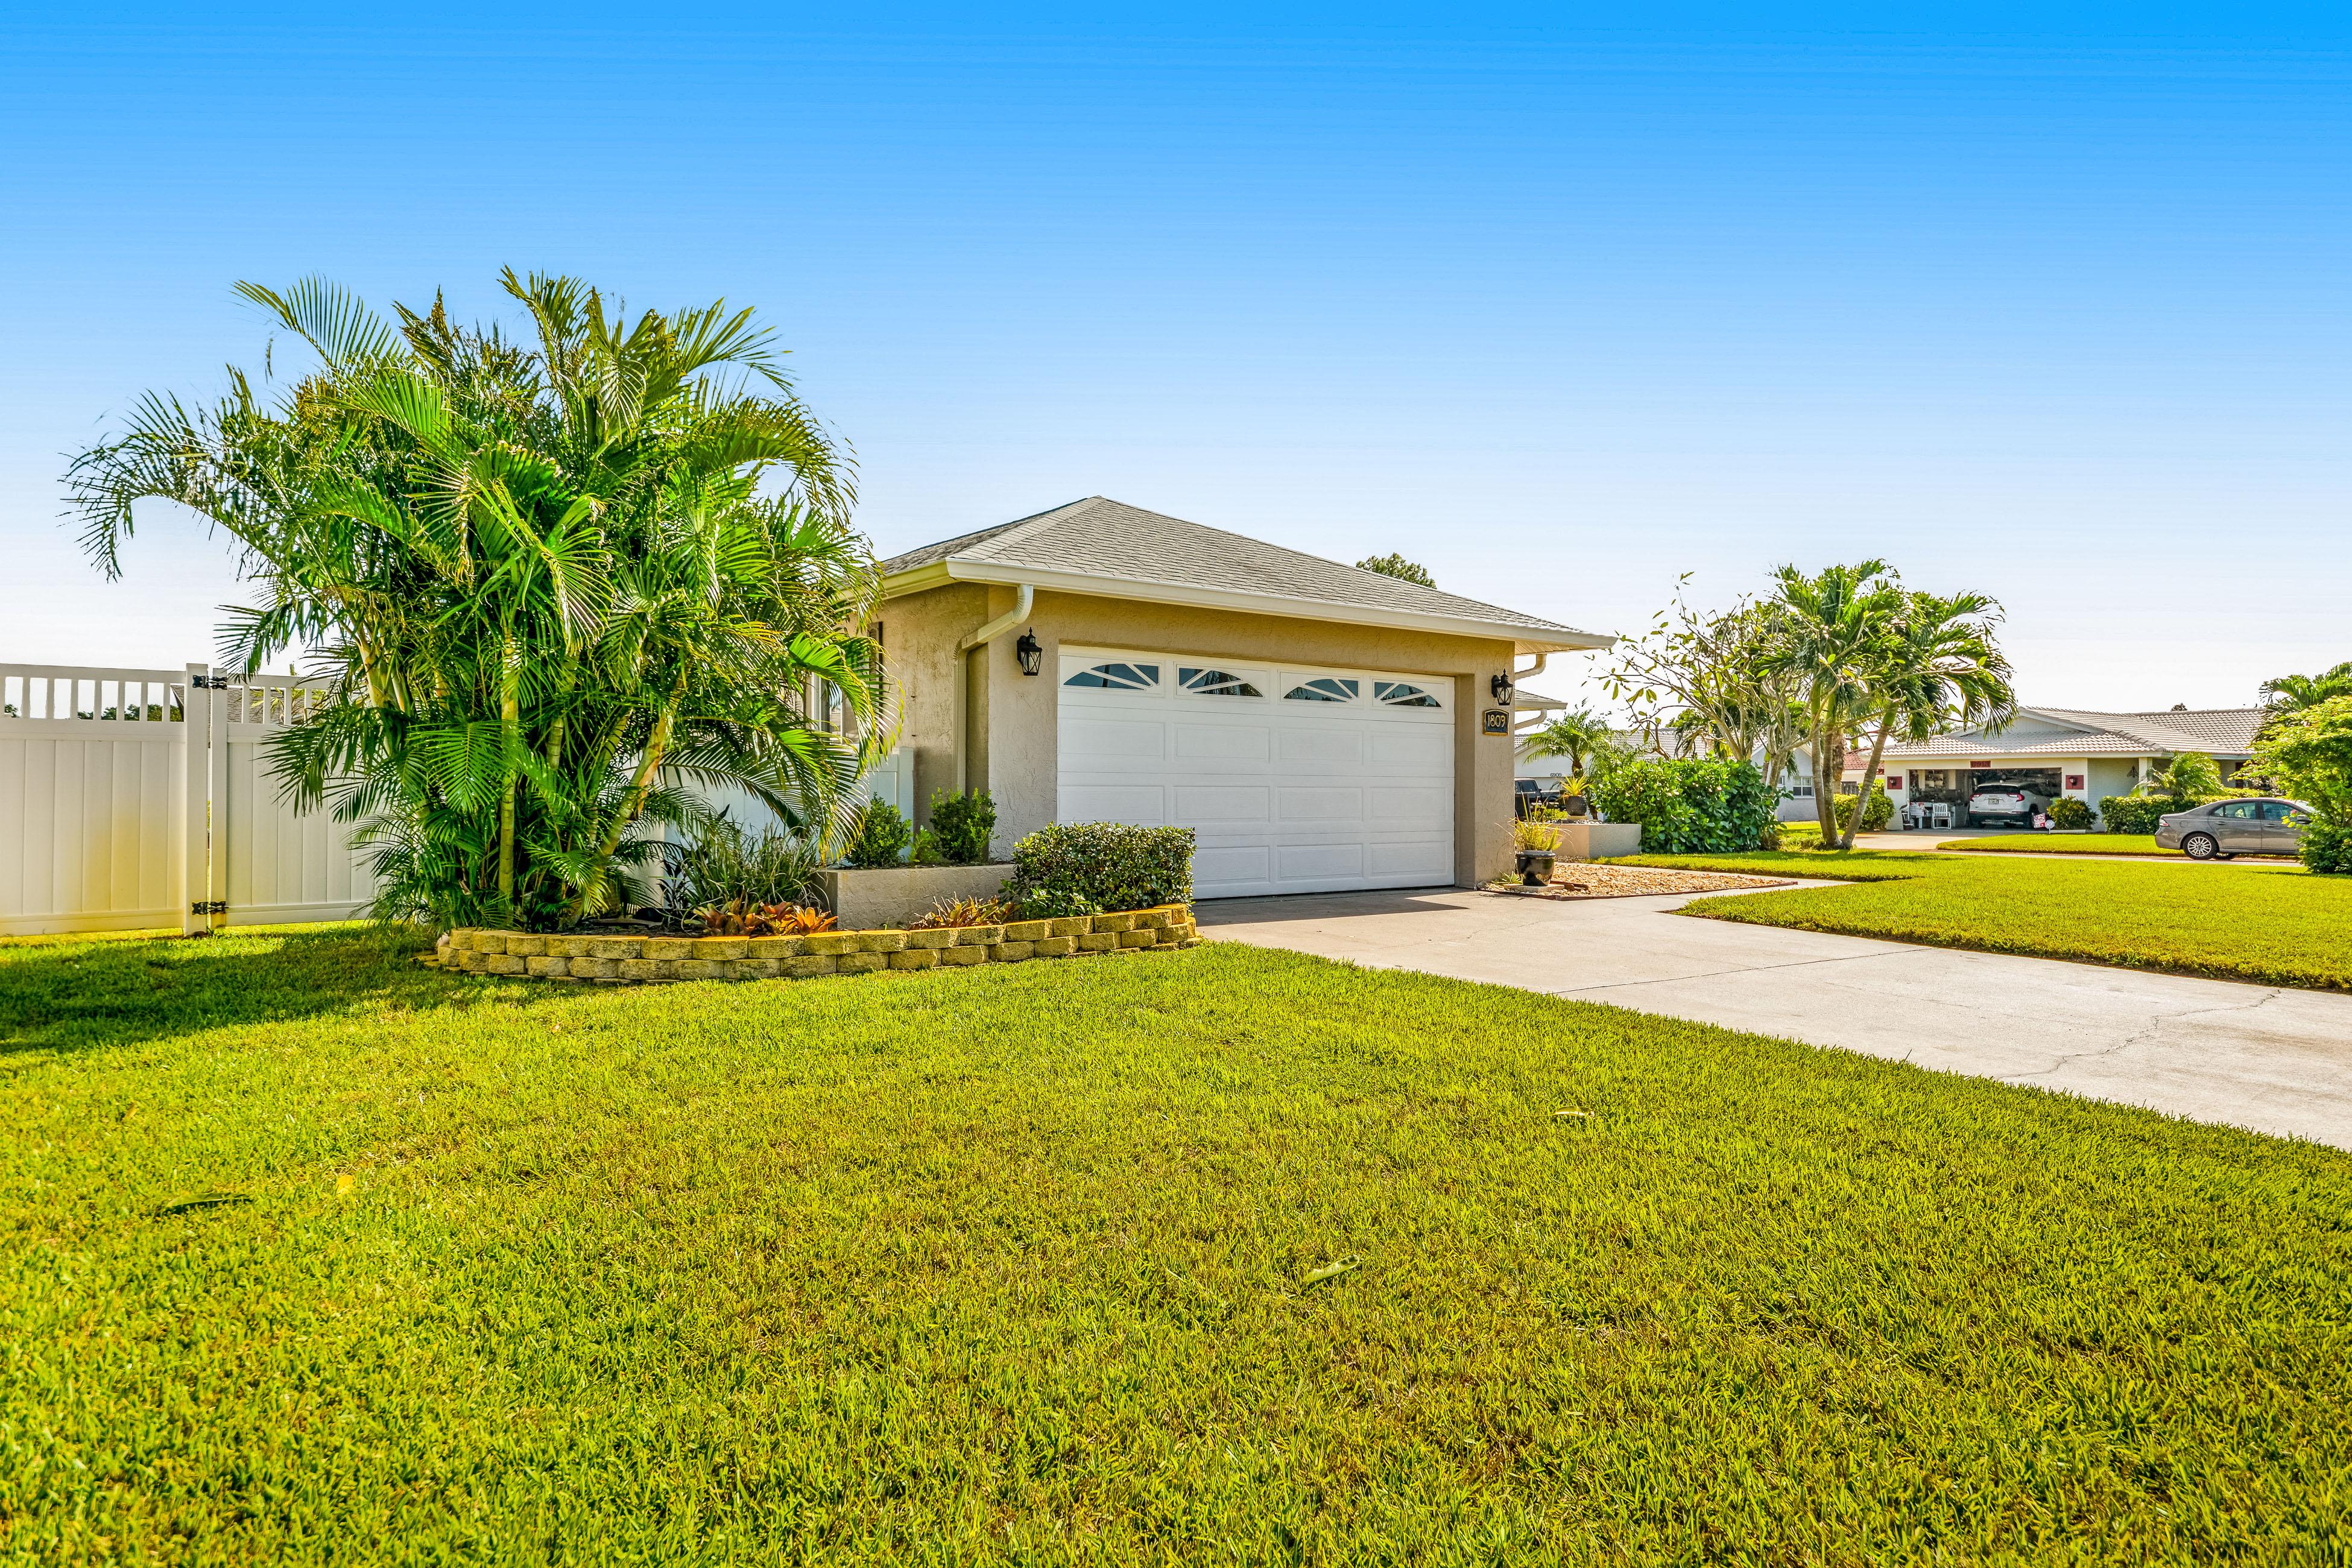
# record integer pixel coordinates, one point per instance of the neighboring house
(1321, 728)
(1532, 712)
(2060, 751)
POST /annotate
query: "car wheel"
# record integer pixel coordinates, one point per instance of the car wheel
(2201, 846)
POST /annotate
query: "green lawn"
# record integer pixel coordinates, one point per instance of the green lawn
(2062, 844)
(2279, 927)
(313, 1254)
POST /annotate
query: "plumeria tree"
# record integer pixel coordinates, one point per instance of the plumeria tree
(555, 582)
(1711, 684)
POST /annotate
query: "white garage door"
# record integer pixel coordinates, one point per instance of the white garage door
(1295, 780)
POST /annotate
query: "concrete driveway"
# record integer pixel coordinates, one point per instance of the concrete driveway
(2271, 1059)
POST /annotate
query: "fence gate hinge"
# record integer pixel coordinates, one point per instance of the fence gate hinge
(209, 682)
(209, 906)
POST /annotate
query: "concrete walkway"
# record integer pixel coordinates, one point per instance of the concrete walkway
(2273, 1059)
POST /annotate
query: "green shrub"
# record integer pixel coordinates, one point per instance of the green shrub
(1109, 864)
(1875, 814)
(965, 825)
(2326, 847)
(2137, 813)
(1056, 903)
(1688, 805)
(882, 836)
(2069, 813)
(924, 850)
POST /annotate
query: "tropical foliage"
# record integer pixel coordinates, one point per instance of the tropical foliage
(2292, 694)
(1710, 684)
(2190, 777)
(1874, 657)
(556, 581)
(2309, 754)
(1586, 741)
(723, 865)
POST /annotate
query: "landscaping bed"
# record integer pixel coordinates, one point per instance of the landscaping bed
(2273, 926)
(317, 1255)
(1586, 879)
(623, 959)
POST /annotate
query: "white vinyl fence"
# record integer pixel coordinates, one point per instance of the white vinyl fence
(138, 798)
(132, 799)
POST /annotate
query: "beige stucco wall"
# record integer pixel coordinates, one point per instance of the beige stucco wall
(1013, 716)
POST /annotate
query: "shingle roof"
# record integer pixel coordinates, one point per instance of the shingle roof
(2223, 732)
(1105, 539)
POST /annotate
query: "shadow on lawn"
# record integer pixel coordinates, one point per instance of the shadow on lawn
(74, 993)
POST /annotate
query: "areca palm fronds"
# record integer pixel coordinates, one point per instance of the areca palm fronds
(561, 586)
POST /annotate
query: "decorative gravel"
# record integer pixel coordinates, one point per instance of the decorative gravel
(1581, 879)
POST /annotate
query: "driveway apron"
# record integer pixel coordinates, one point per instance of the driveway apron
(2273, 1059)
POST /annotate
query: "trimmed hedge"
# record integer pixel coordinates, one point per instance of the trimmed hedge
(1690, 806)
(2069, 813)
(2137, 813)
(1109, 864)
(1877, 816)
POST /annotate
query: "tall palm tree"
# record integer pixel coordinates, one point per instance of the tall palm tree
(1936, 669)
(556, 584)
(1831, 635)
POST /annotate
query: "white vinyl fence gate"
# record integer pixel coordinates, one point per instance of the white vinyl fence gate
(131, 799)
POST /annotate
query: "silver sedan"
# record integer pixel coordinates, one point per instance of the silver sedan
(2221, 828)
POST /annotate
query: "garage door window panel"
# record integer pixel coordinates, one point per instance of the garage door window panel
(1118, 677)
(1324, 688)
(1205, 682)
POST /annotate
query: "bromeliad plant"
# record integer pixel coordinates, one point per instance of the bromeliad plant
(555, 582)
(743, 917)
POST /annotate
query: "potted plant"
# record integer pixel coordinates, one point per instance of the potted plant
(1535, 844)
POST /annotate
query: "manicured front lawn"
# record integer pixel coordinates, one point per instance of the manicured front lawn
(315, 1255)
(2279, 927)
(2062, 844)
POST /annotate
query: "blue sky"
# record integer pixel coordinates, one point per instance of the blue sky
(1562, 308)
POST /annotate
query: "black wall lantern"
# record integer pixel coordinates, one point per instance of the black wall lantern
(1501, 686)
(1029, 651)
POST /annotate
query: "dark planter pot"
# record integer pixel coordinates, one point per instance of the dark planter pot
(1534, 866)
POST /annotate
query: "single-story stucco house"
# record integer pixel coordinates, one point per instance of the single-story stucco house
(2059, 751)
(1319, 727)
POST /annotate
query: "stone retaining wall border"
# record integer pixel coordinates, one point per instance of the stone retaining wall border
(638, 960)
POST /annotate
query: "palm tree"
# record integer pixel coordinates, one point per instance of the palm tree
(2292, 694)
(1937, 669)
(1573, 735)
(557, 584)
(1831, 632)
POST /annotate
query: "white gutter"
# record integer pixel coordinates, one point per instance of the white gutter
(1003, 622)
(980, 637)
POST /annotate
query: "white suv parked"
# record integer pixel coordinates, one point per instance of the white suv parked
(2006, 802)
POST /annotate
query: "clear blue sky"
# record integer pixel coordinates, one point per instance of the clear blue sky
(1562, 308)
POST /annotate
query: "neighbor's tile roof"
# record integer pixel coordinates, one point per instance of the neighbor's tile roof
(2225, 731)
(1102, 538)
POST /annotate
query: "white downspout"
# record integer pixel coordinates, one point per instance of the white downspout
(981, 638)
(1534, 669)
